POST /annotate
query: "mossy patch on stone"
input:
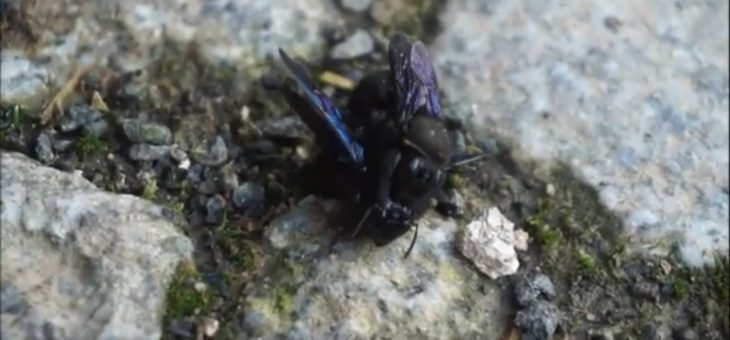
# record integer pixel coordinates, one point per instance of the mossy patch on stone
(183, 299)
(91, 146)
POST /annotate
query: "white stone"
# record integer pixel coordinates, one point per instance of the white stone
(210, 327)
(489, 242)
(78, 262)
(357, 45)
(640, 111)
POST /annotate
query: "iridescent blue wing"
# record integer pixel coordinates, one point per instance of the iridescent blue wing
(322, 116)
(414, 78)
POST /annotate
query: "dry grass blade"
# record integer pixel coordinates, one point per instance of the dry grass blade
(56, 104)
(337, 80)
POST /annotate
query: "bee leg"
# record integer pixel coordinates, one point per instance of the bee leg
(343, 234)
(362, 222)
(413, 242)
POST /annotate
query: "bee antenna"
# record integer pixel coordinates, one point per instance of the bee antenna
(413, 242)
(467, 160)
(362, 221)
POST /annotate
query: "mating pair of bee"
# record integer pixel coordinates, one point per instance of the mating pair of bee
(392, 144)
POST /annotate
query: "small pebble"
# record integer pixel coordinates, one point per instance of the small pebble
(78, 116)
(61, 145)
(454, 207)
(210, 327)
(97, 128)
(684, 334)
(146, 132)
(289, 127)
(44, 148)
(195, 173)
(182, 328)
(229, 176)
(550, 189)
(148, 152)
(215, 210)
(211, 153)
(356, 6)
(334, 34)
(538, 321)
(356, 45)
(646, 290)
(532, 286)
(178, 154)
(249, 198)
(459, 142)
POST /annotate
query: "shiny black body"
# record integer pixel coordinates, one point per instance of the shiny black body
(392, 144)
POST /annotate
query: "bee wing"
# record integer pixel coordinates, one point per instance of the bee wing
(318, 112)
(414, 78)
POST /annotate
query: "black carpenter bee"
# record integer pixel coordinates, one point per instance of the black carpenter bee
(393, 143)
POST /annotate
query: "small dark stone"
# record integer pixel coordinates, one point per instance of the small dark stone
(229, 177)
(261, 147)
(383, 306)
(649, 332)
(646, 290)
(44, 148)
(211, 153)
(97, 128)
(148, 152)
(334, 35)
(195, 173)
(271, 81)
(612, 23)
(667, 290)
(684, 334)
(78, 116)
(489, 146)
(146, 132)
(288, 127)
(215, 210)
(601, 335)
(12, 300)
(61, 145)
(356, 6)
(357, 45)
(208, 185)
(250, 199)
(458, 142)
(182, 328)
(454, 206)
(532, 286)
(538, 321)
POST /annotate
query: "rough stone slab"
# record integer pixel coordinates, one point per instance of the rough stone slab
(360, 291)
(632, 95)
(239, 32)
(78, 262)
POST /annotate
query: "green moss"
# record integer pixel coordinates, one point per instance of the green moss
(244, 259)
(283, 297)
(15, 117)
(91, 146)
(546, 236)
(176, 206)
(455, 181)
(150, 190)
(679, 286)
(182, 297)
(586, 262)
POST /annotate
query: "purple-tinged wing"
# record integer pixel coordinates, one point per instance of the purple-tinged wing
(322, 116)
(414, 78)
